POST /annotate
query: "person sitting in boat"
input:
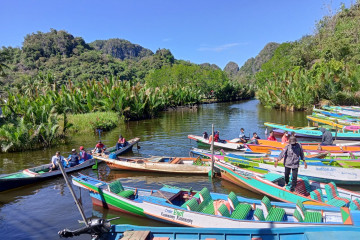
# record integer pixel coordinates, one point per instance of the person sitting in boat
(285, 138)
(271, 136)
(73, 159)
(326, 138)
(205, 135)
(254, 139)
(217, 136)
(83, 154)
(242, 136)
(99, 148)
(121, 142)
(54, 161)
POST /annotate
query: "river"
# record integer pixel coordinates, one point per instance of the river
(40, 211)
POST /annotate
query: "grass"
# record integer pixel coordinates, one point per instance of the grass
(88, 122)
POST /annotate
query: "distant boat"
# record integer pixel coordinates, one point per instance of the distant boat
(226, 144)
(112, 152)
(37, 174)
(184, 165)
(313, 132)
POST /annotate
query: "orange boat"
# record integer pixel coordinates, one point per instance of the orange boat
(265, 146)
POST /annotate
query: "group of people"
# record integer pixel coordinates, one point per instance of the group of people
(75, 158)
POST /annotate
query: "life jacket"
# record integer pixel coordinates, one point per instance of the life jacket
(74, 158)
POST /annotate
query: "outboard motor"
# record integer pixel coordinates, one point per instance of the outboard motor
(96, 227)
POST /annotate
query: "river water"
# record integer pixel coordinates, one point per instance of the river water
(40, 211)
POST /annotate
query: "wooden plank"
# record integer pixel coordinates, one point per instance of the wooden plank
(135, 235)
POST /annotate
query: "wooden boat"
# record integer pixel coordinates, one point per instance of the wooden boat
(341, 174)
(161, 164)
(265, 146)
(112, 152)
(126, 232)
(273, 185)
(334, 123)
(212, 210)
(313, 132)
(343, 110)
(37, 174)
(247, 154)
(226, 144)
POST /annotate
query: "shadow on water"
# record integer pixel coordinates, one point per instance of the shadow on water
(40, 211)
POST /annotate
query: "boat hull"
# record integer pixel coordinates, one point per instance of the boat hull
(30, 177)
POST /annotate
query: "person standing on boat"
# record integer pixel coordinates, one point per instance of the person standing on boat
(54, 161)
(271, 136)
(73, 158)
(292, 154)
(326, 138)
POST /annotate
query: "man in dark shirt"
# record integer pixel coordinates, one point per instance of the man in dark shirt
(292, 154)
(73, 159)
(326, 138)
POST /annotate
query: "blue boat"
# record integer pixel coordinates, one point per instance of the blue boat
(176, 233)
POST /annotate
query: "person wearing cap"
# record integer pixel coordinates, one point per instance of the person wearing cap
(285, 138)
(99, 148)
(83, 154)
(73, 158)
(54, 161)
(292, 154)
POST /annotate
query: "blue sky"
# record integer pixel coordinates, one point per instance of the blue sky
(198, 31)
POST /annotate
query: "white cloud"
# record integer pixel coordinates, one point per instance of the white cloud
(221, 47)
(166, 39)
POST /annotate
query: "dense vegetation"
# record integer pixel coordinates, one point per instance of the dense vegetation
(55, 77)
(323, 67)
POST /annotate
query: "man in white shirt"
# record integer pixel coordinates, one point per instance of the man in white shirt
(54, 161)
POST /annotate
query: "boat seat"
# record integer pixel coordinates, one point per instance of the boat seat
(355, 204)
(259, 215)
(273, 177)
(317, 195)
(117, 188)
(209, 209)
(272, 213)
(223, 211)
(307, 184)
(301, 188)
(203, 194)
(191, 205)
(233, 200)
(241, 211)
(332, 193)
(307, 216)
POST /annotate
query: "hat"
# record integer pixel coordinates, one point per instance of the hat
(292, 140)
(81, 148)
(74, 150)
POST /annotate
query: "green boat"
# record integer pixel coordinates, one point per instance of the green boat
(313, 132)
(249, 176)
